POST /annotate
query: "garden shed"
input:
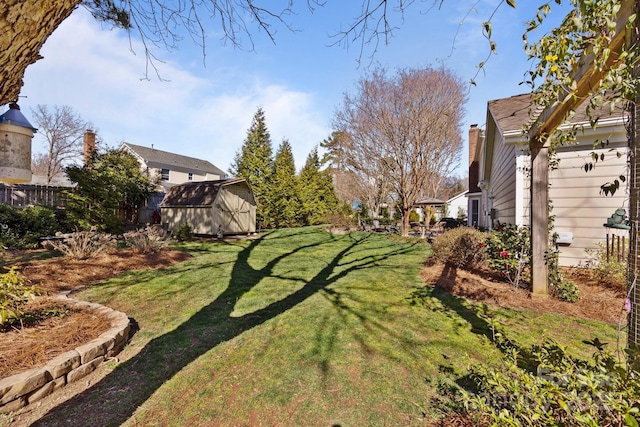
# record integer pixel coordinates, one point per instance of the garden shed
(206, 205)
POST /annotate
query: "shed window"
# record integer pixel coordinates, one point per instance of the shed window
(190, 176)
(164, 175)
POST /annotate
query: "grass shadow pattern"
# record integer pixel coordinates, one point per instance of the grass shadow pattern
(113, 400)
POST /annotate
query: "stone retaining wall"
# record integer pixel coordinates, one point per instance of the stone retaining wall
(30, 386)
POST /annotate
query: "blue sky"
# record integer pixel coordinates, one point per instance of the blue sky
(203, 107)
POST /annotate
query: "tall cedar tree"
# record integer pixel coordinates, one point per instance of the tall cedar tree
(284, 189)
(107, 184)
(317, 194)
(254, 162)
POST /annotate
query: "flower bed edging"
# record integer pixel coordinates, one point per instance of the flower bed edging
(18, 391)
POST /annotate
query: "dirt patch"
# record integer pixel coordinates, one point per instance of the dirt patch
(597, 302)
(31, 345)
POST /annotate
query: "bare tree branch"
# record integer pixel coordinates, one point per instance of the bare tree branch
(63, 131)
(404, 131)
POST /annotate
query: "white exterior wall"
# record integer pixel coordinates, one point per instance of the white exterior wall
(177, 176)
(501, 193)
(456, 204)
(578, 205)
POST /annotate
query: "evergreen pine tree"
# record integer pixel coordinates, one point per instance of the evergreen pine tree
(284, 189)
(317, 193)
(254, 162)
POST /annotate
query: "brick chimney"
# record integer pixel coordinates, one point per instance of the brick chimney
(474, 167)
(89, 144)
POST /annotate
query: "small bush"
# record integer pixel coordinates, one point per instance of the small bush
(23, 228)
(14, 294)
(565, 290)
(611, 272)
(150, 239)
(183, 233)
(509, 252)
(341, 220)
(460, 246)
(83, 244)
(555, 389)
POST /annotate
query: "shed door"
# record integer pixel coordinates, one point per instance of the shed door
(235, 210)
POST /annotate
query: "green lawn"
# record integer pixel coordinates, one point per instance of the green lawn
(298, 328)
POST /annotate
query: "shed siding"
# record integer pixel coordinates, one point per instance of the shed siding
(199, 218)
(205, 206)
(235, 209)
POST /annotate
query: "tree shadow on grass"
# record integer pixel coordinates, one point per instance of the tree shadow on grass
(475, 314)
(113, 400)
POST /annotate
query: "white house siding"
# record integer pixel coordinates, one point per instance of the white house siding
(578, 205)
(502, 186)
(180, 176)
(456, 204)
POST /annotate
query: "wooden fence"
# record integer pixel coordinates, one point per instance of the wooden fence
(23, 195)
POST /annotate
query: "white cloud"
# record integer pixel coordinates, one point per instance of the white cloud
(195, 113)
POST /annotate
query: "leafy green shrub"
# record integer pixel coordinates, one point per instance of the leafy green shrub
(610, 272)
(37, 221)
(414, 216)
(83, 244)
(183, 233)
(556, 389)
(462, 247)
(14, 294)
(22, 228)
(559, 286)
(509, 252)
(150, 239)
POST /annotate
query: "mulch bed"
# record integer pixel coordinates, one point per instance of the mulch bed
(598, 301)
(26, 346)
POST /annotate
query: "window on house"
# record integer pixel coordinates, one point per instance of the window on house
(164, 174)
(475, 212)
(190, 176)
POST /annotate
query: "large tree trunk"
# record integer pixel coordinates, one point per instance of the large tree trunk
(24, 27)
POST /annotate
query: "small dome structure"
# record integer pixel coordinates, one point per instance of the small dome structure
(16, 134)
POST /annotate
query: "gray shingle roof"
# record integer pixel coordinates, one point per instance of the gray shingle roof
(171, 160)
(429, 201)
(202, 193)
(512, 113)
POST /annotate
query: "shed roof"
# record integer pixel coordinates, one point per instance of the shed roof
(429, 201)
(153, 155)
(201, 193)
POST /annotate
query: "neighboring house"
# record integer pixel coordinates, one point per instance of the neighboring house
(457, 205)
(173, 169)
(206, 205)
(499, 182)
